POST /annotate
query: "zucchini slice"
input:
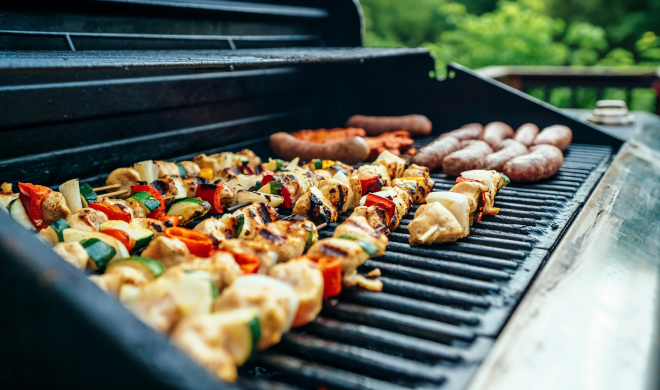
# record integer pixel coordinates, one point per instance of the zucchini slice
(17, 212)
(80, 235)
(243, 329)
(366, 246)
(146, 201)
(189, 209)
(58, 227)
(71, 192)
(249, 196)
(99, 252)
(87, 194)
(182, 171)
(142, 236)
(150, 267)
(241, 224)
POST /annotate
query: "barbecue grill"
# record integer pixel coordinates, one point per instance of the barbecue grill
(89, 86)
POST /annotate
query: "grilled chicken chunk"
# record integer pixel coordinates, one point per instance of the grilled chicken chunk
(205, 341)
(474, 192)
(54, 207)
(191, 168)
(349, 253)
(314, 206)
(125, 177)
(118, 276)
(219, 229)
(157, 227)
(86, 219)
(205, 162)
(276, 303)
(358, 226)
(259, 213)
(227, 174)
(171, 185)
(414, 189)
(166, 168)
(296, 183)
(367, 171)
(335, 192)
(316, 176)
(375, 216)
(168, 251)
(354, 192)
(306, 279)
(252, 159)
(288, 239)
(226, 194)
(435, 217)
(415, 170)
(267, 257)
(221, 266)
(190, 183)
(73, 253)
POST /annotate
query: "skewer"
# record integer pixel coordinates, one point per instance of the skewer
(110, 187)
(321, 226)
(429, 233)
(238, 206)
(167, 197)
(109, 194)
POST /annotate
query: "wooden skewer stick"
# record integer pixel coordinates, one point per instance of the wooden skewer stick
(167, 197)
(321, 226)
(429, 233)
(110, 187)
(238, 206)
(109, 194)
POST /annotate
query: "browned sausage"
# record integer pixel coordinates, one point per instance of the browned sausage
(466, 159)
(469, 131)
(557, 135)
(377, 125)
(496, 132)
(431, 155)
(543, 162)
(509, 149)
(350, 151)
(526, 134)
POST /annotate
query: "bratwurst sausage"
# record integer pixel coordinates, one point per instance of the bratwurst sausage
(496, 132)
(377, 125)
(526, 134)
(469, 131)
(543, 162)
(557, 135)
(432, 155)
(350, 151)
(466, 159)
(509, 149)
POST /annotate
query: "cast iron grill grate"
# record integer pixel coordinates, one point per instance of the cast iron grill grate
(442, 306)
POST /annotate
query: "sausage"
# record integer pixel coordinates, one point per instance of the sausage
(509, 150)
(526, 134)
(557, 135)
(469, 131)
(431, 155)
(377, 125)
(496, 132)
(543, 162)
(349, 151)
(466, 159)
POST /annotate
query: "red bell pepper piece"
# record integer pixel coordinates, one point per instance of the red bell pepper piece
(212, 194)
(331, 270)
(370, 184)
(198, 244)
(173, 219)
(111, 211)
(160, 211)
(280, 189)
(384, 203)
(122, 236)
(248, 263)
(31, 197)
(461, 179)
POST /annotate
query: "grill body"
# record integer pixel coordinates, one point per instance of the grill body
(91, 86)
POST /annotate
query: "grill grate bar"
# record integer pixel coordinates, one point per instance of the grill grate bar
(401, 323)
(399, 304)
(440, 252)
(432, 294)
(375, 363)
(432, 278)
(443, 265)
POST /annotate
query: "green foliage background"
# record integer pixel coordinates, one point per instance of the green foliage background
(479, 33)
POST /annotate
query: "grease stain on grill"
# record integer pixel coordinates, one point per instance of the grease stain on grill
(443, 305)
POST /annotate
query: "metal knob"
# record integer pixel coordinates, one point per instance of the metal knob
(611, 113)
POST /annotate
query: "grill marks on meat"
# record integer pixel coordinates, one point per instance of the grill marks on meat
(466, 159)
